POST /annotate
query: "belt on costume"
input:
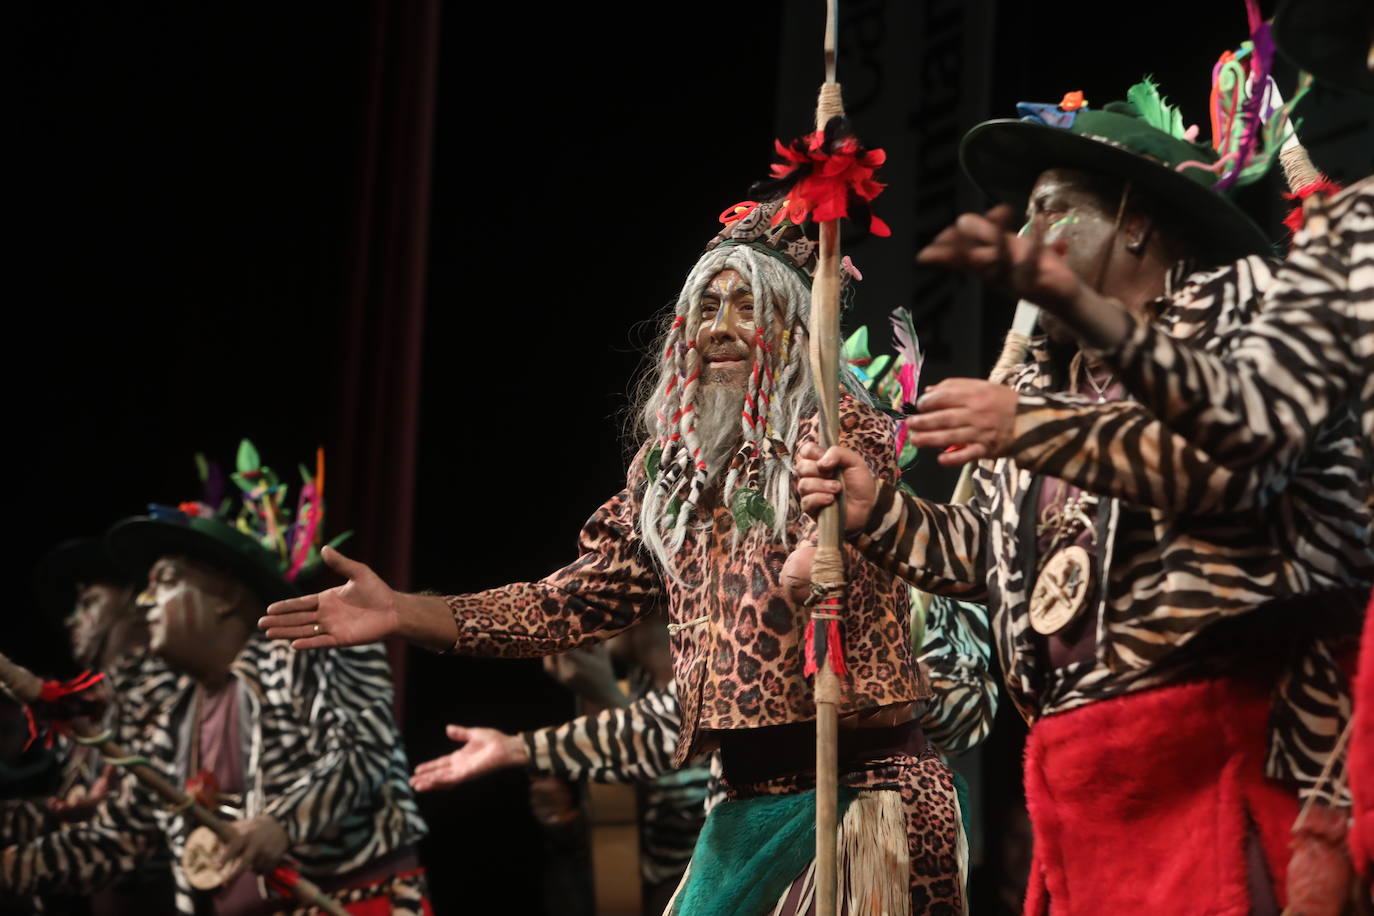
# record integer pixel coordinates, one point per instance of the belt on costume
(758, 754)
(396, 862)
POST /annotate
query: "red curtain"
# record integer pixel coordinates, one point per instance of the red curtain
(383, 318)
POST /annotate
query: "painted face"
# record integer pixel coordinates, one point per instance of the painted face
(1064, 208)
(185, 603)
(726, 337)
(99, 606)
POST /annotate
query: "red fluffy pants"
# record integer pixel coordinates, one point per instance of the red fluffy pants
(1142, 803)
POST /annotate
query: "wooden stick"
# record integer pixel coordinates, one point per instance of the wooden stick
(827, 571)
(25, 686)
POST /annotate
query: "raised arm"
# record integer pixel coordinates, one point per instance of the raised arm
(622, 744)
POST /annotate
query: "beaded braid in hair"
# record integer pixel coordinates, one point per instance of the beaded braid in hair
(779, 395)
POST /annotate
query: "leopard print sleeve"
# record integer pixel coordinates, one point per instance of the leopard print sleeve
(608, 588)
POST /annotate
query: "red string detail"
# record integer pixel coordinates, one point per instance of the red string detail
(1323, 186)
(204, 788)
(62, 701)
(283, 880)
(832, 645)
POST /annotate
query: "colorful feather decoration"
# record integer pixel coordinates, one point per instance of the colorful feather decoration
(1155, 110)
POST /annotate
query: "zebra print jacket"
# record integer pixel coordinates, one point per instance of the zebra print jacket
(1258, 404)
(322, 756)
(1186, 543)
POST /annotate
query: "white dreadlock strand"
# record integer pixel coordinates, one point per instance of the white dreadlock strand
(779, 389)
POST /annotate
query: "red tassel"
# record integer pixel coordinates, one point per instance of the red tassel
(831, 644)
(836, 647)
(810, 667)
(52, 691)
(55, 716)
(1295, 218)
(283, 880)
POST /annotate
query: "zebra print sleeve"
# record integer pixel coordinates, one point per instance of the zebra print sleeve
(936, 547)
(341, 701)
(1303, 359)
(958, 654)
(86, 856)
(21, 820)
(634, 743)
(1121, 450)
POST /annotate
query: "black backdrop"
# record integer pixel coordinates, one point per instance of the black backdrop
(193, 204)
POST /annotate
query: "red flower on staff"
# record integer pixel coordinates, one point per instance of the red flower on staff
(204, 788)
(827, 174)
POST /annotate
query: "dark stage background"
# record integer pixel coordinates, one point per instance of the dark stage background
(429, 239)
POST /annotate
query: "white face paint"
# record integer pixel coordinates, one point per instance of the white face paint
(98, 608)
(183, 612)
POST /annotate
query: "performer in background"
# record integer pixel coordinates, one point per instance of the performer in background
(703, 528)
(1145, 645)
(301, 749)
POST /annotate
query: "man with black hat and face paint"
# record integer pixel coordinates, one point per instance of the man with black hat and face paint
(300, 751)
(1132, 637)
(1260, 407)
(108, 633)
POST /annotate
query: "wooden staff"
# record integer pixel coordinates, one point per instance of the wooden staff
(26, 687)
(827, 572)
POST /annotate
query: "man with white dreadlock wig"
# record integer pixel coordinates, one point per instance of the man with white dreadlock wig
(769, 263)
(709, 525)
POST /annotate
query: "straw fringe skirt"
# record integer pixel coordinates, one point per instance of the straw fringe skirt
(902, 848)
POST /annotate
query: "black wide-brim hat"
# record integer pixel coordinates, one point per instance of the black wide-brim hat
(136, 543)
(1004, 158)
(69, 565)
(1329, 39)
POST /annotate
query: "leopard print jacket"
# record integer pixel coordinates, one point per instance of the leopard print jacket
(736, 635)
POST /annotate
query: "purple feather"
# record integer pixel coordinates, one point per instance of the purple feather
(1262, 62)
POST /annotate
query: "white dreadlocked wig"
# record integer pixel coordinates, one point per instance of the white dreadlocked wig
(778, 397)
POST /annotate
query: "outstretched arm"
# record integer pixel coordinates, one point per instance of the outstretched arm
(622, 744)
(611, 586)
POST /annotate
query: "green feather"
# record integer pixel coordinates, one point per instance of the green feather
(248, 459)
(1154, 109)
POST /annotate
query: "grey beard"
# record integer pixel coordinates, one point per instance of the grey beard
(718, 427)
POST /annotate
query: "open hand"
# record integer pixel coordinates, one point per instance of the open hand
(81, 803)
(984, 245)
(258, 843)
(968, 419)
(362, 610)
(820, 477)
(483, 750)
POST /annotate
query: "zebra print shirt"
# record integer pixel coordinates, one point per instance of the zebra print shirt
(636, 743)
(1170, 572)
(322, 756)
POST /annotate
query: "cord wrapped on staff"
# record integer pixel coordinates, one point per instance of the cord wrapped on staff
(826, 176)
